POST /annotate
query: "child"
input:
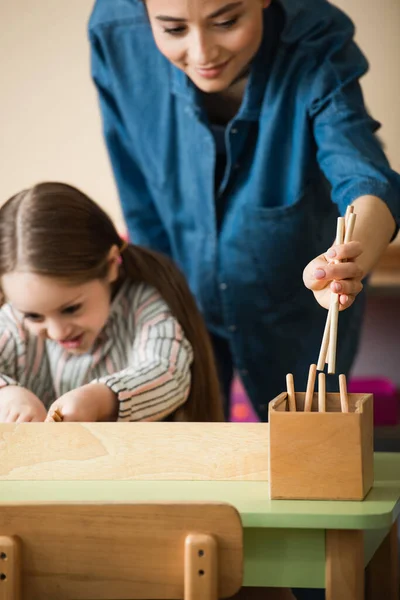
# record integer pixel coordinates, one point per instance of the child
(93, 327)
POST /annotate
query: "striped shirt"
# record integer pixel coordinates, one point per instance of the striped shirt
(142, 354)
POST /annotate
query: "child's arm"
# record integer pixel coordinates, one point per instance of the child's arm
(154, 384)
(17, 404)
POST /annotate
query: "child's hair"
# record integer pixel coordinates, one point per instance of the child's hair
(54, 229)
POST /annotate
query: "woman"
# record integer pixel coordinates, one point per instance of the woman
(238, 133)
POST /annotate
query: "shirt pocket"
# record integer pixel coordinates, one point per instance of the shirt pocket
(281, 242)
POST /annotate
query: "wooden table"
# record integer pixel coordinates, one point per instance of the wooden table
(287, 543)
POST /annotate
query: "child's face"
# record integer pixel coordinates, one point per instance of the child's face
(212, 41)
(71, 315)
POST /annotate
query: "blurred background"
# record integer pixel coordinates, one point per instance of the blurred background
(51, 130)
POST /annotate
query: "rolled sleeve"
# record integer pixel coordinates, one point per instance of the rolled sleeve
(348, 150)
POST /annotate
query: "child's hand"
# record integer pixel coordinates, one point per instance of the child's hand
(19, 405)
(89, 403)
(322, 276)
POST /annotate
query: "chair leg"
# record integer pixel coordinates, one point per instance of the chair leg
(10, 568)
(201, 567)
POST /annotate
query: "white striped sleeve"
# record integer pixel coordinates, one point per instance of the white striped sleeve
(157, 380)
(8, 352)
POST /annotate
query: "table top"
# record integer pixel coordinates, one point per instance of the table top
(380, 508)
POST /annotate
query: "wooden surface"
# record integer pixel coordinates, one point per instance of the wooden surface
(382, 574)
(284, 541)
(344, 565)
(104, 451)
(367, 443)
(120, 551)
(377, 511)
(201, 567)
(321, 456)
(10, 568)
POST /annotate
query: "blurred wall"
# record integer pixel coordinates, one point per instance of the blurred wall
(49, 119)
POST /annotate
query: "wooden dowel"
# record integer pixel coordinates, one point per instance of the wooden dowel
(334, 308)
(323, 353)
(290, 392)
(350, 224)
(321, 392)
(344, 400)
(54, 416)
(349, 211)
(310, 388)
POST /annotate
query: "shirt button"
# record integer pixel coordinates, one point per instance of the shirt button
(234, 130)
(232, 328)
(223, 286)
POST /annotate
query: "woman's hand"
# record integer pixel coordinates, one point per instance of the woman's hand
(19, 405)
(322, 276)
(89, 403)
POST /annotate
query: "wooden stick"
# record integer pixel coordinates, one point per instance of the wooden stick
(334, 308)
(54, 417)
(310, 388)
(321, 392)
(344, 400)
(349, 211)
(350, 224)
(290, 392)
(350, 219)
(323, 355)
(325, 343)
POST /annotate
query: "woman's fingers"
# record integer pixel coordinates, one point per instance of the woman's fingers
(348, 251)
(348, 287)
(349, 270)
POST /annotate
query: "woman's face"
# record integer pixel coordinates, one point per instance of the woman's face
(212, 41)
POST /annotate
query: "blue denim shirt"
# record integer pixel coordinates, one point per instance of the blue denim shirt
(300, 149)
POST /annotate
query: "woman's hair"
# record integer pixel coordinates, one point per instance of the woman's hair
(54, 229)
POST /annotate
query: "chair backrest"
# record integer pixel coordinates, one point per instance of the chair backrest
(120, 551)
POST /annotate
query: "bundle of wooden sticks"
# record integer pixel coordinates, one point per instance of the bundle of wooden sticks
(54, 416)
(344, 233)
(308, 400)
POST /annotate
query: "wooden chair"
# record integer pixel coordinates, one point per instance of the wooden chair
(90, 551)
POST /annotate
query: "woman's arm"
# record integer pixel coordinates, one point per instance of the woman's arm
(144, 224)
(352, 159)
(374, 229)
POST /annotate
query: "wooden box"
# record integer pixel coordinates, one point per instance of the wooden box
(321, 456)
